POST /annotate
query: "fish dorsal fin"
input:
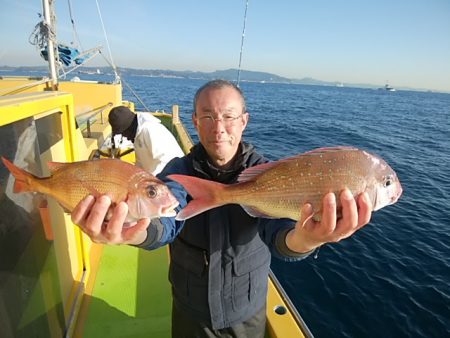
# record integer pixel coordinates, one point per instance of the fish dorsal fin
(54, 166)
(329, 150)
(249, 173)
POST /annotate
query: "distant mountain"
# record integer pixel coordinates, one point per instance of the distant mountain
(24, 69)
(227, 74)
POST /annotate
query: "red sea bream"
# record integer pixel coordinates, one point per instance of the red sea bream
(69, 183)
(279, 189)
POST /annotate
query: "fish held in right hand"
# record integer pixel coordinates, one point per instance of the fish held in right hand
(278, 189)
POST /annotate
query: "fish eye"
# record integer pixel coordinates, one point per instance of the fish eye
(152, 192)
(388, 180)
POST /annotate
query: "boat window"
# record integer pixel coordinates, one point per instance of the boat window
(49, 131)
(30, 294)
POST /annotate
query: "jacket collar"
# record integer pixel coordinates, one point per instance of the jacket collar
(205, 169)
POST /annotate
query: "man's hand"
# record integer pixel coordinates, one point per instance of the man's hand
(309, 234)
(90, 215)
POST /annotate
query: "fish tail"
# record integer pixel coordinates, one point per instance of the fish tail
(206, 195)
(24, 180)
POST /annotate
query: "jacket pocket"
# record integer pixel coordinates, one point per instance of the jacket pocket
(188, 274)
(250, 277)
(190, 257)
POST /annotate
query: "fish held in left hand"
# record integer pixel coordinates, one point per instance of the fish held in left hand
(278, 189)
(69, 183)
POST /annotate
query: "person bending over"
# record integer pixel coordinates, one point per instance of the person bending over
(154, 144)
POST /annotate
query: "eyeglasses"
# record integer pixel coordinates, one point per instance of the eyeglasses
(227, 120)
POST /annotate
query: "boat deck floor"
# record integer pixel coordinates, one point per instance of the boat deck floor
(130, 297)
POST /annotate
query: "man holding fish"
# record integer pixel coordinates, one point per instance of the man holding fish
(220, 250)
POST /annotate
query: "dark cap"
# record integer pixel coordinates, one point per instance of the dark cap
(120, 118)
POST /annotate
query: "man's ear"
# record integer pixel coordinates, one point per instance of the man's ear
(245, 119)
(194, 120)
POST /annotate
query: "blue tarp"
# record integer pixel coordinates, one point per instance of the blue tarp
(67, 55)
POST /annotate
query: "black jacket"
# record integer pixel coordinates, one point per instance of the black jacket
(220, 258)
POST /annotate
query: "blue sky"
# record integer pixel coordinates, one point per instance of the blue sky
(403, 42)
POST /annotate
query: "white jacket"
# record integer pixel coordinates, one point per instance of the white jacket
(154, 144)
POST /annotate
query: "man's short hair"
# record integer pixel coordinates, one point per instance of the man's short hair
(218, 84)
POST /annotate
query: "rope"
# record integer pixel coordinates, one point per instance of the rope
(40, 35)
(39, 38)
(136, 96)
(74, 30)
(126, 84)
(242, 45)
(107, 42)
(43, 33)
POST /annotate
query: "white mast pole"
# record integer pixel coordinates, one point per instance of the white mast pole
(50, 45)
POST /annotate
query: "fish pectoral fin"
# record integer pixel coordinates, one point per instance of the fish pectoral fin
(63, 204)
(169, 213)
(193, 208)
(255, 212)
(66, 210)
(92, 190)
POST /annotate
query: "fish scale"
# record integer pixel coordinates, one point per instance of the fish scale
(83, 179)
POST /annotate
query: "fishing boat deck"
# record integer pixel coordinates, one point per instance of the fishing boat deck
(129, 296)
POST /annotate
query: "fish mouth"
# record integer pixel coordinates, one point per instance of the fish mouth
(169, 211)
(399, 193)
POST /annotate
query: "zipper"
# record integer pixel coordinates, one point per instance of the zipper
(193, 247)
(205, 257)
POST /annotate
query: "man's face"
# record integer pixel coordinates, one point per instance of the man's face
(220, 122)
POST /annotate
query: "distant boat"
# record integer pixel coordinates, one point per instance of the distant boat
(90, 72)
(388, 88)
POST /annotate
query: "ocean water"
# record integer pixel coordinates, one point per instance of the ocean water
(392, 278)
